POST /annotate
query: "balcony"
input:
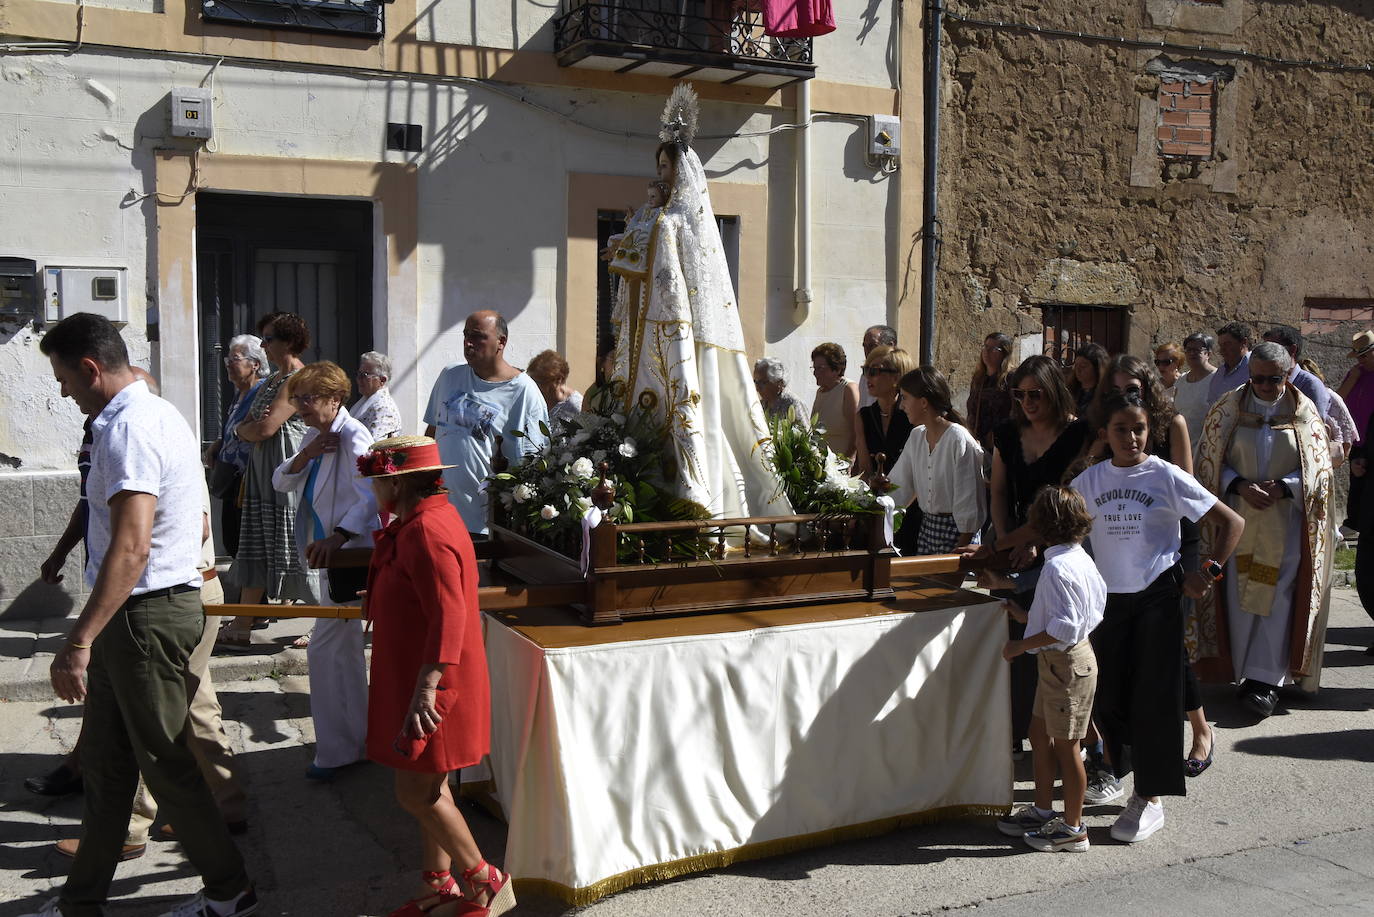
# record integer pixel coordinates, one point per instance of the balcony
(719, 41)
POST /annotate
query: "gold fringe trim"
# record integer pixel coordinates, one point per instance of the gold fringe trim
(580, 897)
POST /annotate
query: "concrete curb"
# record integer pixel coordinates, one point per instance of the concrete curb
(29, 646)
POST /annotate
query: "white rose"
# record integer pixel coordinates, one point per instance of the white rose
(627, 449)
(583, 505)
(548, 512)
(523, 492)
(583, 468)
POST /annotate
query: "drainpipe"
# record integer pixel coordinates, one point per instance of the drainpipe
(802, 295)
(930, 240)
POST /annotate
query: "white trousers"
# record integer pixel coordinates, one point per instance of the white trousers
(338, 691)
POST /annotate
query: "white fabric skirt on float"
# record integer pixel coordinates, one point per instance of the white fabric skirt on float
(631, 760)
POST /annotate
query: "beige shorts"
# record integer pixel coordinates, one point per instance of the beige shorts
(1064, 692)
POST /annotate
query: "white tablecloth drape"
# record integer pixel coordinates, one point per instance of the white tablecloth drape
(626, 762)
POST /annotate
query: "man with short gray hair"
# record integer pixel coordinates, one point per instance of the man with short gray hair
(1290, 339)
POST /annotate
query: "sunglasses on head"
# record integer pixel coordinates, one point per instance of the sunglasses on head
(1165, 362)
(1266, 380)
(1027, 394)
(1135, 389)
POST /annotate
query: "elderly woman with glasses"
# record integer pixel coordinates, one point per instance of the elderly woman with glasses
(375, 408)
(227, 457)
(770, 381)
(337, 510)
(1265, 452)
(267, 565)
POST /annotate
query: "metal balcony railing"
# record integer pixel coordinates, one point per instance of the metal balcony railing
(705, 33)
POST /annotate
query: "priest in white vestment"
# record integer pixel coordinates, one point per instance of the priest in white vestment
(1264, 449)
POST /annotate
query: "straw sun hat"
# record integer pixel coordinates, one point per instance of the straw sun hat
(1360, 343)
(400, 455)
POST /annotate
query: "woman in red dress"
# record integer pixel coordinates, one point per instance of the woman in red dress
(429, 709)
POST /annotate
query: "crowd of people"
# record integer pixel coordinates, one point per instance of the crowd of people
(1150, 523)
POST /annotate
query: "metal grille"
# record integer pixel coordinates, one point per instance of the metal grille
(356, 17)
(1068, 327)
(732, 27)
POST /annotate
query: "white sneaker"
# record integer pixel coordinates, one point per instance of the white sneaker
(49, 909)
(1140, 819)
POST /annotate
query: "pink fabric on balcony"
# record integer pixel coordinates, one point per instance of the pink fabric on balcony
(797, 18)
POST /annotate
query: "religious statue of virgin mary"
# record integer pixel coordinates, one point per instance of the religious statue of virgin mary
(679, 342)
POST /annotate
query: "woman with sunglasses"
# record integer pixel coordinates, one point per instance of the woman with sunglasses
(1034, 447)
(880, 427)
(267, 565)
(1168, 363)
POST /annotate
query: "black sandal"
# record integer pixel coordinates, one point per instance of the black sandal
(1192, 767)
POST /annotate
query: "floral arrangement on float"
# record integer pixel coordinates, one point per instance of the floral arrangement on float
(547, 496)
(815, 479)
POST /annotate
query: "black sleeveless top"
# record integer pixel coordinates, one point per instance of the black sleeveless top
(1024, 478)
(891, 444)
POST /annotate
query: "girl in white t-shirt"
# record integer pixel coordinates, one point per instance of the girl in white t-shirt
(1136, 500)
(941, 466)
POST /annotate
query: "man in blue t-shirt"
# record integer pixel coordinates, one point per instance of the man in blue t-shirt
(474, 402)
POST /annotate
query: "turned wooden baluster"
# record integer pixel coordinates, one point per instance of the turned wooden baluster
(879, 485)
(720, 543)
(603, 494)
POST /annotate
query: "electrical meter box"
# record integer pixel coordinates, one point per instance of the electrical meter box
(18, 288)
(885, 136)
(192, 114)
(102, 290)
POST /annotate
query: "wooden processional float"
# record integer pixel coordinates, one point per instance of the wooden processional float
(661, 569)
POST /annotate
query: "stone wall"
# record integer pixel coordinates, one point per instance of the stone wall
(1054, 187)
(36, 510)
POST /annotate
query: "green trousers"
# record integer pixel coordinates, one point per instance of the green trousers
(136, 705)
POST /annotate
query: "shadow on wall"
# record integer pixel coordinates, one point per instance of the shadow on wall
(36, 600)
(493, 214)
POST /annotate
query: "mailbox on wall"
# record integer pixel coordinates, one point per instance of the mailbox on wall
(18, 288)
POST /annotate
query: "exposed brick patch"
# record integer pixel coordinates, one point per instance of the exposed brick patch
(1186, 113)
(1320, 316)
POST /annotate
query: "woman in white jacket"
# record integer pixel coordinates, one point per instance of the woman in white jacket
(337, 510)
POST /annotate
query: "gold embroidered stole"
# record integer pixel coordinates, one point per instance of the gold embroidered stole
(1260, 551)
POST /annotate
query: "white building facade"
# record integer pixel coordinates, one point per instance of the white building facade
(525, 144)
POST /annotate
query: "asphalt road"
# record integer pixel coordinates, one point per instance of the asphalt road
(1280, 824)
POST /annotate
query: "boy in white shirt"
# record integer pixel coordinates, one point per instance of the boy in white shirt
(1069, 602)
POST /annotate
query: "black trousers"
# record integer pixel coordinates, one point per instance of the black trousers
(1139, 699)
(1024, 674)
